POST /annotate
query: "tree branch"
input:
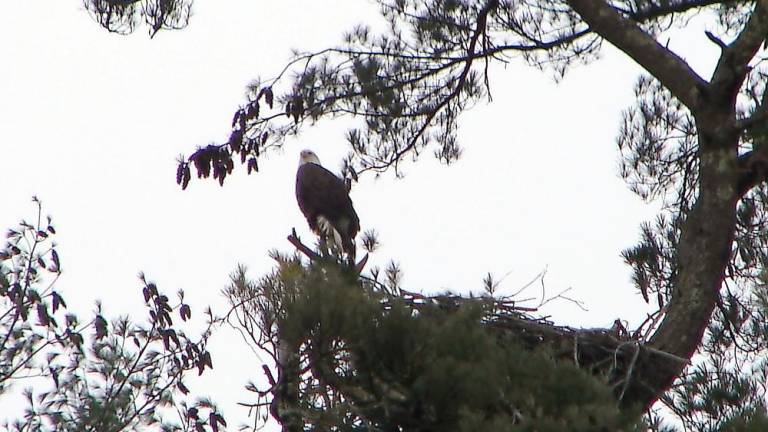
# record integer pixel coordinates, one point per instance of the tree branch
(294, 240)
(482, 20)
(314, 256)
(753, 167)
(653, 10)
(733, 66)
(671, 70)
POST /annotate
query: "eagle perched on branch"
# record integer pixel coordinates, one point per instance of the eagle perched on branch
(324, 199)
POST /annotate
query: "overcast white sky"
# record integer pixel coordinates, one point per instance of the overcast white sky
(92, 124)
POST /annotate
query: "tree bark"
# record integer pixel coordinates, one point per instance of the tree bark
(704, 250)
(285, 405)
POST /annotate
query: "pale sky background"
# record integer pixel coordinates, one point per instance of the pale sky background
(92, 123)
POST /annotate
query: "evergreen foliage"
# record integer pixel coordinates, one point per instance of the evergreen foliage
(372, 361)
(95, 374)
(123, 16)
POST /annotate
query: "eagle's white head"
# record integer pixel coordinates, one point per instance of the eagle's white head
(308, 156)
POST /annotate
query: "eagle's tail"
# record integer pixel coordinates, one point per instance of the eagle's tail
(343, 243)
(327, 228)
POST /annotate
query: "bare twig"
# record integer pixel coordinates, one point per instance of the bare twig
(651, 321)
(716, 40)
(631, 367)
(539, 276)
(560, 295)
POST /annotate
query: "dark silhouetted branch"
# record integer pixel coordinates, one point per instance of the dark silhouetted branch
(294, 239)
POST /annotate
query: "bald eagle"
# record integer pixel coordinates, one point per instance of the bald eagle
(324, 199)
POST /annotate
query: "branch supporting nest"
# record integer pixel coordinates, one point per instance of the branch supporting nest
(621, 356)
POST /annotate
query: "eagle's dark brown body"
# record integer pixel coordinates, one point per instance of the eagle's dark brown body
(322, 195)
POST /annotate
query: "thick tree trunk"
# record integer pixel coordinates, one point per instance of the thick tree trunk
(706, 238)
(704, 250)
(285, 405)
